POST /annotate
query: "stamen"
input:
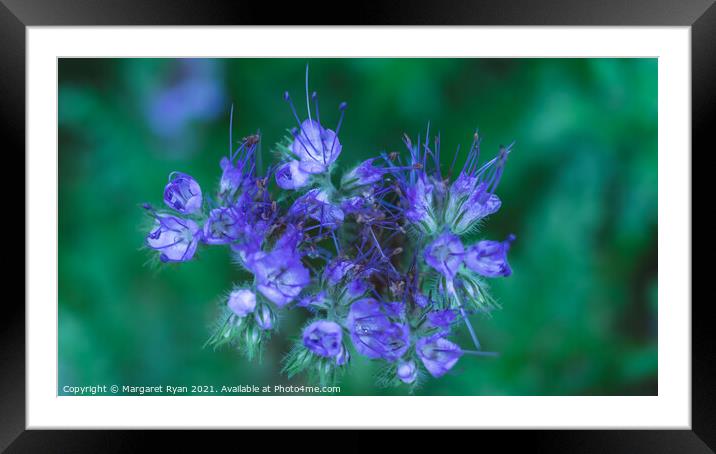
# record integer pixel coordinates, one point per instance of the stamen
(231, 128)
(471, 352)
(436, 157)
(342, 107)
(314, 96)
(287, 98)
(310, 121)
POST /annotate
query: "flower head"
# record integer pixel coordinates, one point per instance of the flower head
(489, 258)
(183, 193)
(357, 257)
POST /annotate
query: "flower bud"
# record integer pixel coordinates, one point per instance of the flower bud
(323, 338)
(264, 317)
(489, 258)
(183, 193)
(343, 356)
(242, 302)
(407, 372)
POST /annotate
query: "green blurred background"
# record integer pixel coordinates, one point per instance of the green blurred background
(579, 314)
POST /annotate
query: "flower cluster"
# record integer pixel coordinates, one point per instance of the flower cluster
(379, 259)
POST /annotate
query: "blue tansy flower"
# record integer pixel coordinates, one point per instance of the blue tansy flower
(175, 238)
(489, 258)
(183, 193)
(445, 254)
(438, 354)
(323, 338)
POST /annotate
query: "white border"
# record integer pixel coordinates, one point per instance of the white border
(670, 409)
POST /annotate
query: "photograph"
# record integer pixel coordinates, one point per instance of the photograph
(357, 226)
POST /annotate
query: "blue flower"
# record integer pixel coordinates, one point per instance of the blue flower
(420, 199)
(363, 174)
(336, 270)
(315, 146)
(472, 195)
(374, 334)
(183, 193)
(250, 241)
(290, 176)
(470, 204)
(323, 338)
(438, 354)
(315, 205)
(421, 300)
(239, 169)
(242, 302)
(353, 205)
(356, 288)
(223, 226)
(174, 237)
(280, 274)
(197, 94)
(289, 240)
(445, 254)
(231, 178)
(395, 309)
(318, 300)
(442, 319)
(489, 258)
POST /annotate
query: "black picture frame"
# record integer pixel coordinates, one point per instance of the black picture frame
(700, 15)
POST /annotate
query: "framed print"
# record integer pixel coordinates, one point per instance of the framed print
(486, 226)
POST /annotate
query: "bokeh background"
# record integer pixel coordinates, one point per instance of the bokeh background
(579, 314)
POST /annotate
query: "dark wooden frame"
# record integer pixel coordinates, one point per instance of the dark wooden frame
(16, 15)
